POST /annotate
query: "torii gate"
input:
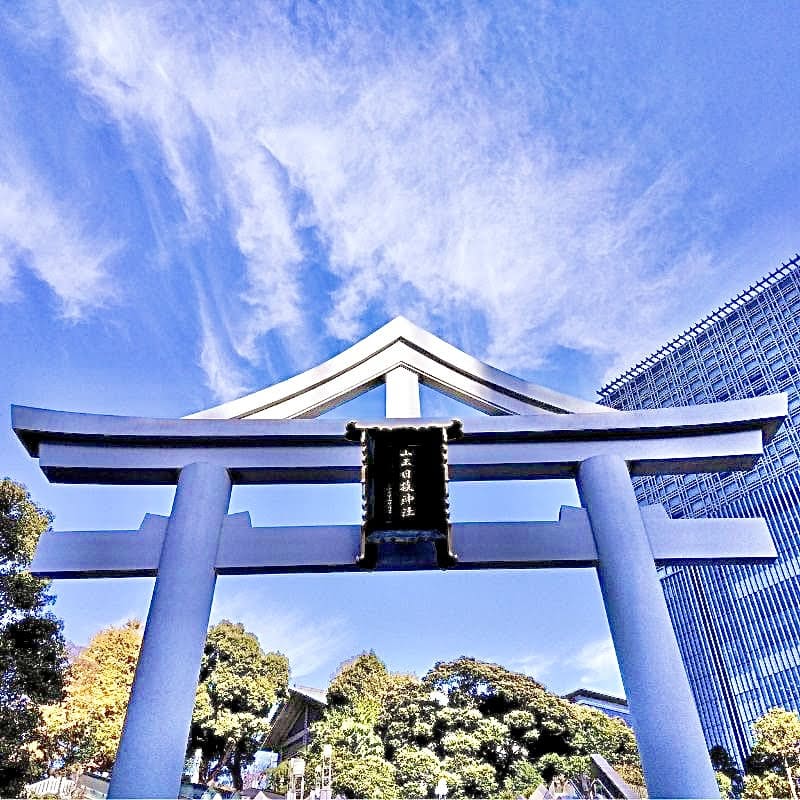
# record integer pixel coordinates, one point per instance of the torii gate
(267, 437)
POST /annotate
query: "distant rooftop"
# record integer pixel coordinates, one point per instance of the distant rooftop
(705, 323)
(317, 695)
(289, 726)
(593, 695)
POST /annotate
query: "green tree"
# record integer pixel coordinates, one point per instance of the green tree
(32, 655)
(278, 778)
(85, 728)
(355, 702)
(360, 685)
(762, 787)
(557, 767)
(360, 767)
(724, 765)
(484, 729)
(493, 691)
(509, 717)
(778, 736)
(475, 717)
(724, 783)
(522, 779)
(417, 771)
(609, 736)
(408, 715)
(238, 684)
(471, 777)
(634, 777)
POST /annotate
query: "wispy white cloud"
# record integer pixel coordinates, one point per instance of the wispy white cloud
(597, 663)
(537, 665)
(223, 375)
(310, 644)
(593, 665)
(432, 192)
(41, 234)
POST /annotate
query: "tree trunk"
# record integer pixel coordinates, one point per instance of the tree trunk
(236, 770)
(221, 763)
(792, 787)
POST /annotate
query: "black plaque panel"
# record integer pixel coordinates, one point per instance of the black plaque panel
(406, 519)
(405, 481)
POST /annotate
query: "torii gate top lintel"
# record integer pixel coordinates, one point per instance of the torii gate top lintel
(95, 448)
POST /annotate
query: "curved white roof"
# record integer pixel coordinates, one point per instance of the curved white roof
(365, 365)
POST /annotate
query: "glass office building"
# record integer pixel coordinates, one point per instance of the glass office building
(738, 627)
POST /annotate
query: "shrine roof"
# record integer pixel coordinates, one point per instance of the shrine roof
(399, 343)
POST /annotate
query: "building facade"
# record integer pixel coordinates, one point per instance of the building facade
(738, 627)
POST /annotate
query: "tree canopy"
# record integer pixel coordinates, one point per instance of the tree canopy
(484, 729)
(238, 684)
(32, 654)
(775, 759)
(85, 728)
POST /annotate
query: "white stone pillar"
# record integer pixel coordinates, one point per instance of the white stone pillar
(151, 753)
(402, 393)
(667, 726)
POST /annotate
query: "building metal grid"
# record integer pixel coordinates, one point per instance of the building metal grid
(738, 627)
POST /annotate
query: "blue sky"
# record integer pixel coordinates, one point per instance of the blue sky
(198, 201)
